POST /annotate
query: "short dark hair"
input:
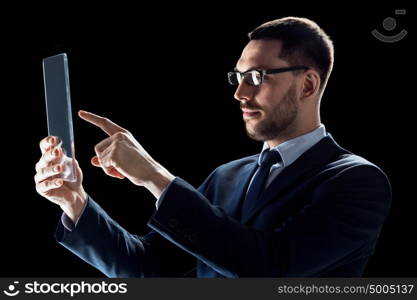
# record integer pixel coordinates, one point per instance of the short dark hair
(303, 43)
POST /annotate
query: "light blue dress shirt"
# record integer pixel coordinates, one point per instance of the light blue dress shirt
(291, 150)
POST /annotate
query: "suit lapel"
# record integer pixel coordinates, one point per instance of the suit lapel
(313, 158)
(240, 187)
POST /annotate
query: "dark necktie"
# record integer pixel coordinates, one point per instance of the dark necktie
(269, 158)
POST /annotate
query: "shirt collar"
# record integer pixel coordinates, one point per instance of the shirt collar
(292, 149)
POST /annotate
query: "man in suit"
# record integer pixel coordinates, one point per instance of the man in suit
(303, 207)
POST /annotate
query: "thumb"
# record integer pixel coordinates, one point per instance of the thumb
(95, 162)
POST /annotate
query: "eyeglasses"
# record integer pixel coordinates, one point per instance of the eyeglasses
(256, 77)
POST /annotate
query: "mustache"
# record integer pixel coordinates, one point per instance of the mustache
(245, 106)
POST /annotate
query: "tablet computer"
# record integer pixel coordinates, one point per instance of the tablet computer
(58, 108)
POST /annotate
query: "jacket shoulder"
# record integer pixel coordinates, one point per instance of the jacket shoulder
(354, 168)
(350, 160)
(229, 170)
(238, 163)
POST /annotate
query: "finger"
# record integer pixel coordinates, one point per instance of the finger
(47, 172)
(47, 185)
(47, 142)
(103, 145)
(110, 170)
(95, 162)
(105, 157)
(105, 124)
(52, 156)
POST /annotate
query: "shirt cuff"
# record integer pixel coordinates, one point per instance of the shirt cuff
(68, 223)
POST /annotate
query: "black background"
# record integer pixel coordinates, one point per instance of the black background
(161, 73)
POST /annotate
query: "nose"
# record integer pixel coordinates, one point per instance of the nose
(244, 92)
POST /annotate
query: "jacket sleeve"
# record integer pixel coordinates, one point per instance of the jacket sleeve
(343, 217)
(104, 244)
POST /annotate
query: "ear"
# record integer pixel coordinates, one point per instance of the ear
(311, 84)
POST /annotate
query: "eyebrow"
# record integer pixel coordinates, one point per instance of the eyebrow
(261, 67)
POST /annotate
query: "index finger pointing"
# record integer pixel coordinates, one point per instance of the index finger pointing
(105, 124)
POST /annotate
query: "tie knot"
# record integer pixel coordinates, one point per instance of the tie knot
(270, 158)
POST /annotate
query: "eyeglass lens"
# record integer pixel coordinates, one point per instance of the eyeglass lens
(251, 77)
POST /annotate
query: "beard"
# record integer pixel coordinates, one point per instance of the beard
(277, 120)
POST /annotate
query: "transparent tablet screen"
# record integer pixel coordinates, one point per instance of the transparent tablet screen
(58, 108)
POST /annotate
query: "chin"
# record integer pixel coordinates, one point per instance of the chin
(254, 134)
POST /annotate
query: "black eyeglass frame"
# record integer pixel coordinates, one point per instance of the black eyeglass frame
(265, 72)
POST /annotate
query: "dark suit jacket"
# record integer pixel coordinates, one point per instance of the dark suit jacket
(320, 217)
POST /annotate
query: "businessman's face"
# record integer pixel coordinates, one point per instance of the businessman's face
(269, 110)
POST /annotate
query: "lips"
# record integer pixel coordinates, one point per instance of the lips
(250, 113)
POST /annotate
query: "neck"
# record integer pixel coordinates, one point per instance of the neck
(292, 132)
